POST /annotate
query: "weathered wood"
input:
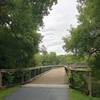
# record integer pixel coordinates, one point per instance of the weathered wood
(68, 72)
(88, 78)
(81, 69)
(22, 77)
(31, 68)
(89, 84)
(33, 72)
(0, 79)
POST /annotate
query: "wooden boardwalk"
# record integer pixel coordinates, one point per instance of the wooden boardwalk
(49, 86)
(54, 76)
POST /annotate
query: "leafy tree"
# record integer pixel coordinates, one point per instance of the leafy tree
(85, 38)
(19, 22)
(43, 49)
(49, 58)
(38, 59)
(53, 58)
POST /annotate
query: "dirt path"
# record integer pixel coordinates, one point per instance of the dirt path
(54, 76)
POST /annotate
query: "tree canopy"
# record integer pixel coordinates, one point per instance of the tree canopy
(19, 22)
(85, 38)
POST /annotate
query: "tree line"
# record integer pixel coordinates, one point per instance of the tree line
(52, 58)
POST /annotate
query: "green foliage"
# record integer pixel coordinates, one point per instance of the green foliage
(76, 95)
(50, 59)
(62, 59)
(7, 91)
(68, 59)
(78, 81)
(85, 38)
(19, 22)
(54, 59)
(96, 89)
(38, 59)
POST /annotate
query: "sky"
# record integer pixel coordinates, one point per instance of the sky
(57, 23)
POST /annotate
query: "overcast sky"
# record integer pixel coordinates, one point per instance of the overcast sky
(57, 24)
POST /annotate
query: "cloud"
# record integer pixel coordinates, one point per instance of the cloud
(57, 23)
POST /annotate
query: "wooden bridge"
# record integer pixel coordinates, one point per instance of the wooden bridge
(43, 83)
(50, 85)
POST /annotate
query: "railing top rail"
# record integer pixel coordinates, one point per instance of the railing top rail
(31, 68)
(81, 70)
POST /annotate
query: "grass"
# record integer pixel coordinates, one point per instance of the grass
(7, 91)
(76, 95)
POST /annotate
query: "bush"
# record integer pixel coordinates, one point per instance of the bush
(77, 81)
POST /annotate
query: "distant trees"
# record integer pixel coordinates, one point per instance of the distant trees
(54, 59)
(19, 22)
(46, 59)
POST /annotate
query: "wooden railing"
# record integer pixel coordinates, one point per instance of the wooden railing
(22, 75)
(85, 72)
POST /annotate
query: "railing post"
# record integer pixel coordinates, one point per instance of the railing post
(89, 84)
(35, 72)
(0, 79)
(22, 78)
(68, 72)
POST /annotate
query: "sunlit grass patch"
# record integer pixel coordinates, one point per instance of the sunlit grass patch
(7, 91)
(76, 95)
